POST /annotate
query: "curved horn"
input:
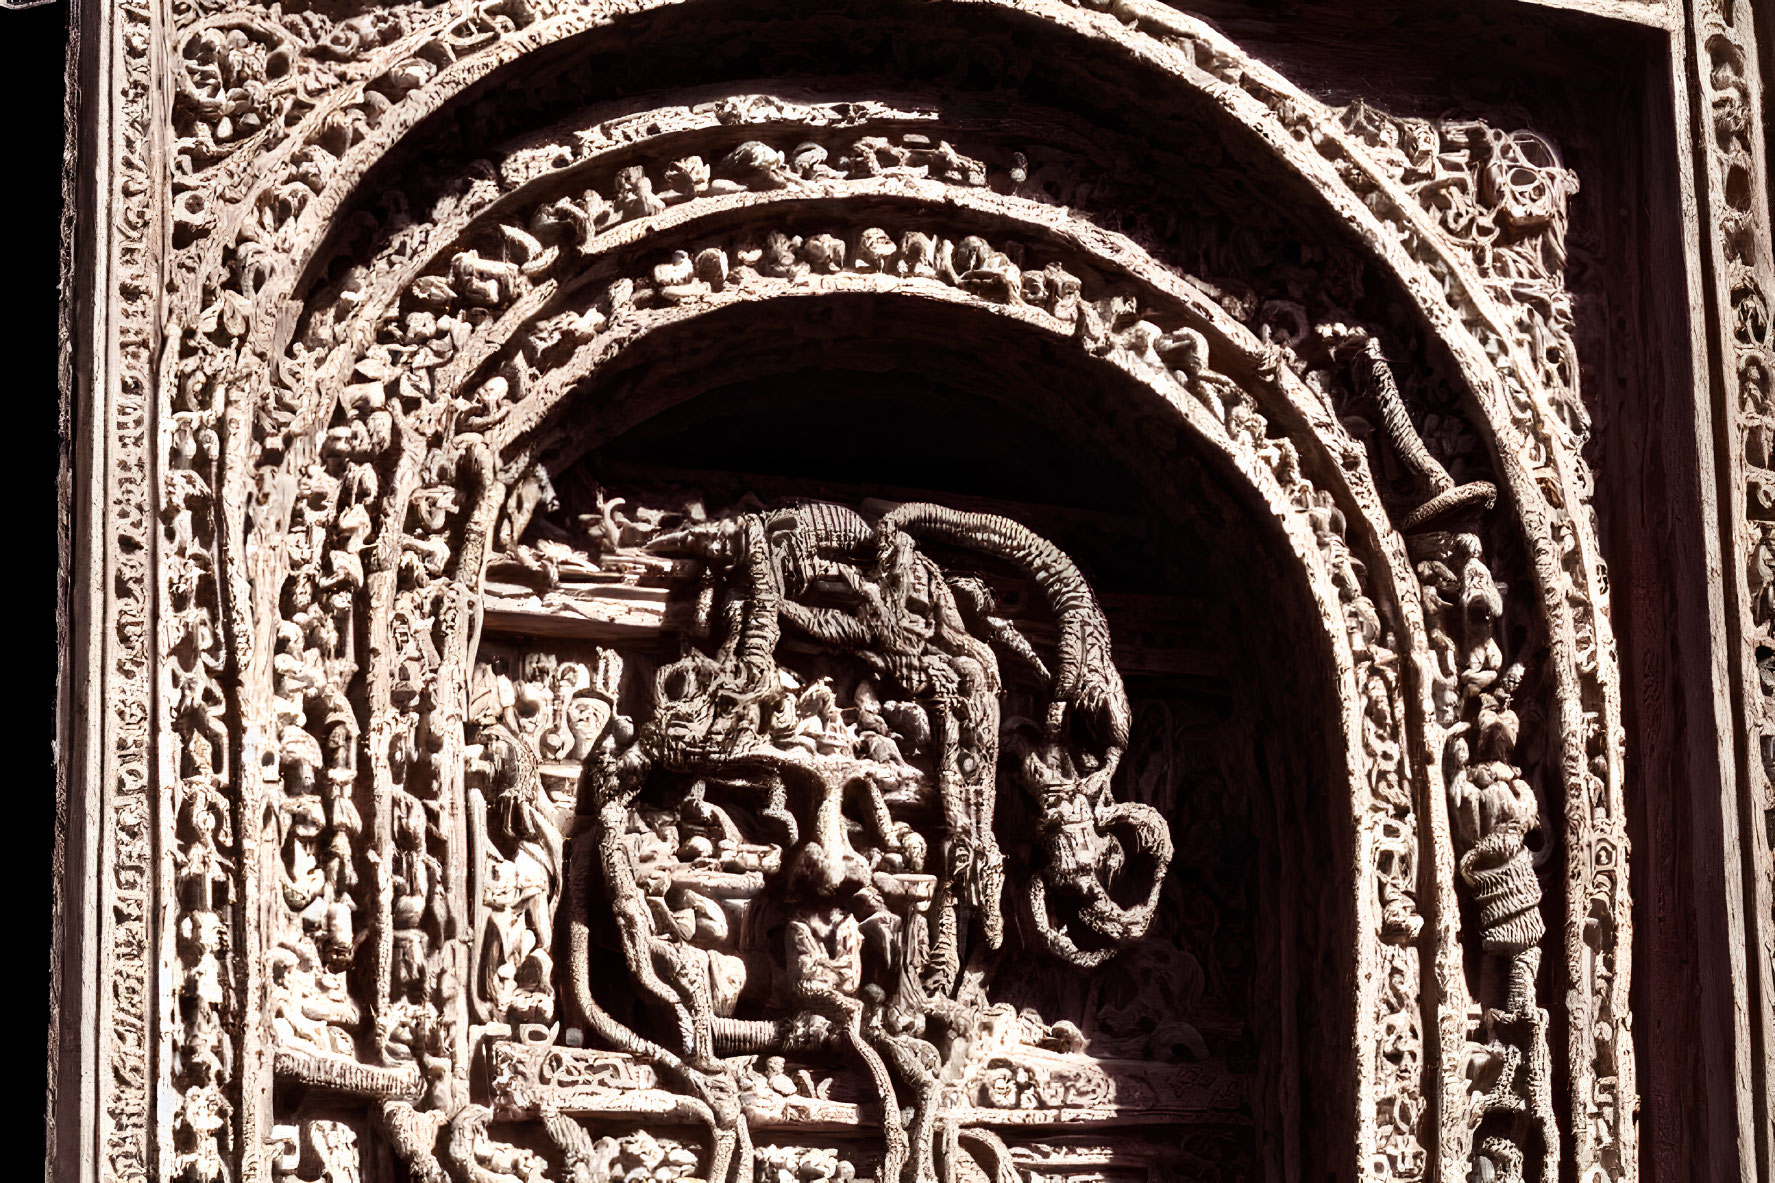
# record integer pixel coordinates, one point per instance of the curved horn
(1085, 677)
(1056, 939)
(1104, 916)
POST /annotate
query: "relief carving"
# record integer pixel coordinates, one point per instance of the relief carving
(524, 724)
(884, 928)
(1742, 254)
(561, 904)
(831, 734)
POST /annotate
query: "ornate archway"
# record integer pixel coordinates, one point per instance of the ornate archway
(403, 304)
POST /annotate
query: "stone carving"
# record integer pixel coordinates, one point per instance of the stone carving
(1501, 197)
(398, 845)
(1493, 810)
(317, 1151)
(1397, 1104)
(876, 920)
(204, 878)
(510, 957)
(1743, 257)
(556, 713)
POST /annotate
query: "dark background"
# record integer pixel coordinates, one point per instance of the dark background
(31, 90)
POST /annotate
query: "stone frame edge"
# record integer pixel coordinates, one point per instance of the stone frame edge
(99, 1086)
(100, 1115)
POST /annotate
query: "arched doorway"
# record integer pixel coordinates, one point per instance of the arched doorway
(420, 376)
(1197, 1044)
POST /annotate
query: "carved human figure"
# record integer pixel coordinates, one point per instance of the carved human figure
(205, 872)
(520, 880)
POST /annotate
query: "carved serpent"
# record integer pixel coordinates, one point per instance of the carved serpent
(1377, 381)
(1078, 818)
(1085, 676)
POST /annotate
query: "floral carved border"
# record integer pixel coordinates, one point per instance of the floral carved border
(200, 1010)
(114, 332)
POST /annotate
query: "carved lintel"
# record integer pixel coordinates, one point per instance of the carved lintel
(1030, 1089)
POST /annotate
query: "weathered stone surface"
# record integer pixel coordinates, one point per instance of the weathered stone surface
(920, 592)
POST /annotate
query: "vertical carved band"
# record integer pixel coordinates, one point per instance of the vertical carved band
(1728, 104)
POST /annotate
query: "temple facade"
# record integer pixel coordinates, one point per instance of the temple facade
(917, 591)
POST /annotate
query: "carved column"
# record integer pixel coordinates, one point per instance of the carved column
(1726, 93)
(457, 789)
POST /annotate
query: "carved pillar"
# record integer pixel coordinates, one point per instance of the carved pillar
(1726, 89)
(111, 1006)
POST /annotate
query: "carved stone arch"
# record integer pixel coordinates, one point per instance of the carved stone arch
(1311, 542)
(1522, 425)
(1528, 428)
